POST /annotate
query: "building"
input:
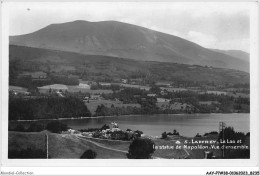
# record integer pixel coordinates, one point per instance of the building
(151, 95)
(54, 88)
(124, 81)
(34, 76)
(159, 100)
(136, 81)
(208, 102)
(84, 86)
(95, 97)
(19, 90)
(104, 84)
(163, 83)
(39, 76)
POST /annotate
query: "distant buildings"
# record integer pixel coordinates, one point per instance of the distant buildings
(151, 95)
(95, 97)
(160, 100)
(104, 84)
(18, 90)
(208, 102)
(124, 81)
(38, 76)
(84, 86)
(163, 83)
(34, 76)
(53, 88)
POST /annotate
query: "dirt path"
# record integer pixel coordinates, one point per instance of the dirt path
(99, 145)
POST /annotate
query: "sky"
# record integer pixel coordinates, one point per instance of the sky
(217, 25)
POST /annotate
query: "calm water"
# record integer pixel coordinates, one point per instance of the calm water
(155, 125)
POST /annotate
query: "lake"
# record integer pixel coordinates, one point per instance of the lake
(154, 125)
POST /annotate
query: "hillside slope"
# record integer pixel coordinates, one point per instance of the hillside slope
(35, 59)
(235, 53)
(111, 38)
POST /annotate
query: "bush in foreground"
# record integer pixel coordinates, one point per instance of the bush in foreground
(141, 148)
(89, 154)
(56, 127)
(19, 128)
(35, 127)
(164, 135)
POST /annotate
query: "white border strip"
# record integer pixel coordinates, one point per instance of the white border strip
(254, 124)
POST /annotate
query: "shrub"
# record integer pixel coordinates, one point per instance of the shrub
(35, 127)
(19, 128)
(206, 134)
(104, 127)
(231, 134)
(175, 132)
(97, 134)
(141, 148)
(164, 135)
(89, 130)
(198, 135)
(56, 127)
(213, 132)
(138, 133)
(89, 154)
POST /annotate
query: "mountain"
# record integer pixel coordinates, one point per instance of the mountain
(27, 59)
(116, 39)
(235, 53)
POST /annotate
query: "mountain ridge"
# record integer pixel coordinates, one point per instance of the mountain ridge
(117, 39)
(107, 67)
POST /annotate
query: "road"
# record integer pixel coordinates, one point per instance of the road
(99, 145)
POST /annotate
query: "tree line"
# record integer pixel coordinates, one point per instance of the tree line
(46, 108)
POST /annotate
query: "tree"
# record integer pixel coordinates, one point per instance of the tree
(175, 132)
(138, 133)
(198, 135)
(231, 135)
(89, 154)
(164, 135)
(104, 127)
(56, 127)
(141, 148)
(19, 128)
(35, 127)
(155, 89)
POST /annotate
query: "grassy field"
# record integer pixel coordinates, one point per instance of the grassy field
(116, 144)
(60, 146)
(72, 146)
(84, 90)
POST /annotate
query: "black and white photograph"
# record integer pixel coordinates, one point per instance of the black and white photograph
(130, 80)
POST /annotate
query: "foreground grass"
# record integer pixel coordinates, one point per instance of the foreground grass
(68, 146)
(116, 144)
(60, 146)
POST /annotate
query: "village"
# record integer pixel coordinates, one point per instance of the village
(166, 96)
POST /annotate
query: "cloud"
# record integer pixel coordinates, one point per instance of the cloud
(201, 39)
(207, 24)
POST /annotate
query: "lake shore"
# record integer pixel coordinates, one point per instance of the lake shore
(96, 117)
